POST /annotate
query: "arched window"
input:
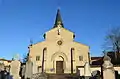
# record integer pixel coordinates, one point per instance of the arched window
(73, 54)
(72, 58)
(44, 58)
(45, 53)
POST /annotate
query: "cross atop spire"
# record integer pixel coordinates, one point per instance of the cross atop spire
(58, 20)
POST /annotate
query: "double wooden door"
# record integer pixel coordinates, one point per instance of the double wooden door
(59, 67)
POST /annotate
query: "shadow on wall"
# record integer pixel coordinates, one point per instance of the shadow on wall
(117, 76)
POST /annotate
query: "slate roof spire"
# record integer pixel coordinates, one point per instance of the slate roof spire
(58, 20)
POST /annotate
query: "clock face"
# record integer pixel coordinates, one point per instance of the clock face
(59, 42)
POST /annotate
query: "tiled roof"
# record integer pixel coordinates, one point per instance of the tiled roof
(1, 59)
(96, 58)
(96, 61)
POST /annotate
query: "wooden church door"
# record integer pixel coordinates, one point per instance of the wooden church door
(59, 67)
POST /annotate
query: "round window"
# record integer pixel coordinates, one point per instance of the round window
(59, 42)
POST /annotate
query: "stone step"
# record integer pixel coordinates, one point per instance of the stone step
(60, 76)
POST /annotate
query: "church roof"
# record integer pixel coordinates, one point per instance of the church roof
(58, 19)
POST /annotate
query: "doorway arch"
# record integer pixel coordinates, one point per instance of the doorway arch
(59, 62)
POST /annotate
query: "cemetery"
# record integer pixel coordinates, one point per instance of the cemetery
(60, 57)
(18, 70)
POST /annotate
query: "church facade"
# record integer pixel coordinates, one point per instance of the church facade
(58, 53)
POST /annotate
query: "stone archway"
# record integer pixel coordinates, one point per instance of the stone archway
(63, 55)
(59, 62)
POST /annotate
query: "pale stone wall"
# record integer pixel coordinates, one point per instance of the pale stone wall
(5, 62)
(92, 69)
(95, 68)
(81, 71)
(117, 68)
(64, 50)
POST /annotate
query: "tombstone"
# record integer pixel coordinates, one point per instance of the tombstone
(23, 71)
(29, 69)
(2, 66)
(15, 69)
(35, 69)
(108, 69)
(87, 71)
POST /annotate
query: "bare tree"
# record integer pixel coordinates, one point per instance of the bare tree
(112, 41)
(25, 58)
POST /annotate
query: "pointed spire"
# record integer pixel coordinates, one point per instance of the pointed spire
(58, 20)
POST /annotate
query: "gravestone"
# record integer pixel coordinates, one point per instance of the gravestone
(2, 66)
(35, 68)
(87, 71)
(108, 69)
(23, 71)
(29, 69)
(15, 69)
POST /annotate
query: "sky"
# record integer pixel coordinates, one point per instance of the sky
(22, 20)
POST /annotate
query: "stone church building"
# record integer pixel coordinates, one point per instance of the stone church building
(60, 57)
(58, 53)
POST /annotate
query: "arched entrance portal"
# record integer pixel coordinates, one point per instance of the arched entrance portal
(59, 60)
(60, 65)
